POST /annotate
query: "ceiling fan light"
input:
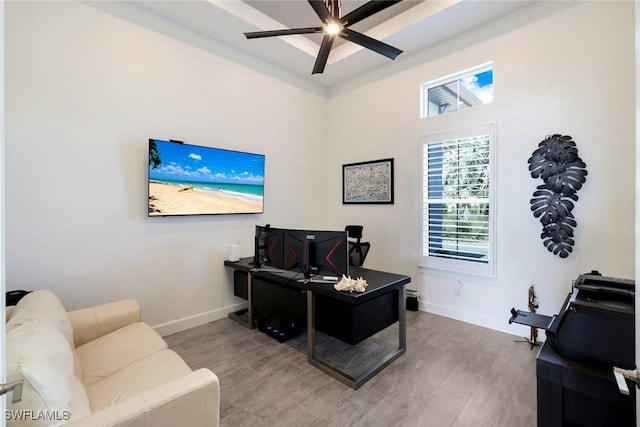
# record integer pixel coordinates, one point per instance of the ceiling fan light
(332, 28)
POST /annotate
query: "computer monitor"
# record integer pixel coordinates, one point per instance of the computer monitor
(316, 252)
(330, 253)
(268, 247)
(293, 249)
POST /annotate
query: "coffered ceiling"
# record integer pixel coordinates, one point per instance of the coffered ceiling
(411, 25)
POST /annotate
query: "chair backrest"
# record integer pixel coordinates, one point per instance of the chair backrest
(357, 250)
(358, 253)
(354, 231)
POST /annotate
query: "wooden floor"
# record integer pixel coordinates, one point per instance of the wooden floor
(453, 374)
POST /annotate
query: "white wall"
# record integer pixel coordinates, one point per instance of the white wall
(84, 92)
(558, 68)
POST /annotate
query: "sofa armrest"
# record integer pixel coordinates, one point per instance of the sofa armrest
(192, 400)
(93, 322)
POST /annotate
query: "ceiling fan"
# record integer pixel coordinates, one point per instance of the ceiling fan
(336, 25)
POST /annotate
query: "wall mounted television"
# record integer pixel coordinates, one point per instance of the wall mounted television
(189, 179)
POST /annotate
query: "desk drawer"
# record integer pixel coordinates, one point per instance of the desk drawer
(355, 323)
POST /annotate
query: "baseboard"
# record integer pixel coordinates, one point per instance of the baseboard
(501, 324)
(188, 322)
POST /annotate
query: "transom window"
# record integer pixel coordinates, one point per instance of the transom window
(461, 90)
(457, 230)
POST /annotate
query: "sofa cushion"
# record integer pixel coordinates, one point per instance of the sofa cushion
(40, 354)
(79, 404)
(42, 304)
(140, 376)
(77, 365)
(112, 352)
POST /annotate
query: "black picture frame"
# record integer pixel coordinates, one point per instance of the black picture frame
(368, 182)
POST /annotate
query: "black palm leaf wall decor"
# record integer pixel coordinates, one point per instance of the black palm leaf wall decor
(557, 163)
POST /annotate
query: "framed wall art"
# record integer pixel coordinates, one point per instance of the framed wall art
(368, 182)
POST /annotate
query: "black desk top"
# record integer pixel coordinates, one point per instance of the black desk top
(379, 282)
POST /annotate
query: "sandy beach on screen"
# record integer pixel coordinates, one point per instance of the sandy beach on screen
(165, 199)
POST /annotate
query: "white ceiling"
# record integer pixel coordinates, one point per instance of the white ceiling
(411, 25)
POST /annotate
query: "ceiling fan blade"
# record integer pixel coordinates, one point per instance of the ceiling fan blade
(321, 9)
(288, 32)
(323, 54)
(366, 10)
(373, 44)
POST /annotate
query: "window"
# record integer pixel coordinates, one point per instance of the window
(457, 226)
(461, 90)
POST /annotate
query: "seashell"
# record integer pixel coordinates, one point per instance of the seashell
(360, 285)
(345, 284)
(351, 285)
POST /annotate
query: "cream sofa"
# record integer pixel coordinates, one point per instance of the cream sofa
(100, 366)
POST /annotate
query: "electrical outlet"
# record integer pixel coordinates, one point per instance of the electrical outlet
(458, 287)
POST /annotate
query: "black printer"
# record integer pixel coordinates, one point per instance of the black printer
(595, 324)
(593, 332)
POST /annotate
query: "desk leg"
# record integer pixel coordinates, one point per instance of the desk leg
(250, 300)
(402, 319)
(358, 381)
(248, 323)
(311, 326)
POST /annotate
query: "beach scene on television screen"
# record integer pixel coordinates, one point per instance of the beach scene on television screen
(195, 180)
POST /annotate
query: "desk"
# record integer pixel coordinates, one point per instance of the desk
(349, 316)
(574, 393)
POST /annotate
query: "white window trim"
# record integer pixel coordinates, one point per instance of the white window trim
(453, 265)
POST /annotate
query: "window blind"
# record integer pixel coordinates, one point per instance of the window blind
(456, 200)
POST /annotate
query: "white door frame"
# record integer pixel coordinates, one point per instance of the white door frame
(2, 269)
(637, 204)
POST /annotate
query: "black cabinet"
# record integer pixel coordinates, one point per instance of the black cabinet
(241, 284)
(574, 393)
(354, 324)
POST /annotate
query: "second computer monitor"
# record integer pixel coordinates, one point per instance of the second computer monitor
(316, 252)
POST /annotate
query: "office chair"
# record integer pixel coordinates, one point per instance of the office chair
(358, 250)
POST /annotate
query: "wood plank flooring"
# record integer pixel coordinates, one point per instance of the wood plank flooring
(453, 374)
